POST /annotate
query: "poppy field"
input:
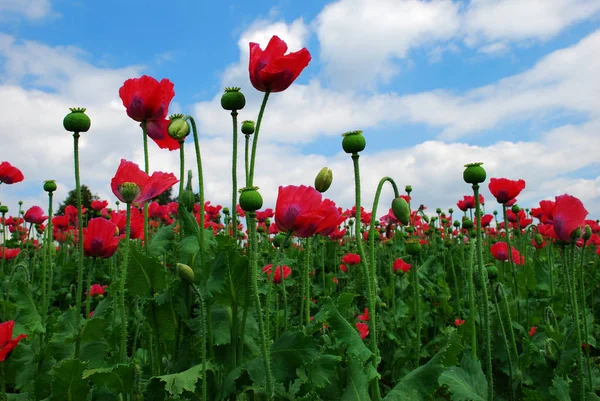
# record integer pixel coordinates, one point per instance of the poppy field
(133, 298)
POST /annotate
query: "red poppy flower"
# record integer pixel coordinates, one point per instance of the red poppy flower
(147, 100)
(363, 330)
(7, 343)
(35, 215)
(148, 186)
(569, 215)
(500, 252)
(532, 331)
(459, 322)
(400, 264)
(504, 189)
(10, 174)
(97, 289)
(344, 268)
(277, 275)
(273, 70)
(98, 205)
(351, 259)
(486, 220)
(365, 316)
(99, 238)
(8, 253)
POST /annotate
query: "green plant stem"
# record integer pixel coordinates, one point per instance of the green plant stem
(509, 323)
(79, 243)
(47, 259)
(511, 264)
(202, 302)
(585, 320)
(88, 299)
(306, 282)
(255, 139)
(251, 224)
(417, 310)
(200, 188)
(472, 300)
(3, 396)
(146, 170)
(572, 280)
(233, 211)
(3, 243)
(484, 283)
(123, 348)
(247, 160)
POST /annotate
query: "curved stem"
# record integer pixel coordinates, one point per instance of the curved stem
(79, 243)
(255, 139)
(200, 188)
(123, 348)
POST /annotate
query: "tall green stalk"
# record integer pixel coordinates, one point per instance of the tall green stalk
(79, 243)
(255, 139)
(200, 187)
(48, 242)
(202, 302)
(147, 171)
(571, 281)
(234, 194)
(123, 348)
(88, 298)
(585, 320)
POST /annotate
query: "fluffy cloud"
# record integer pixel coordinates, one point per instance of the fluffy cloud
(30, 9)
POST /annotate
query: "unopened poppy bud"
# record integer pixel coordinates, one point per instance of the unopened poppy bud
(20, 203)
(515, 209)
(49, 186)
(3, 209)
(278, 240)
(129, 191)
(353, 142)
(267, 222)
(576, 234)
(426, 218)
(450, 210)
(474, 173)
(438, 210)
(587, 232)
(410, 229)
(233, 99)
(178, 127)
(538, 239)
(412, 246)
(408, 189)
(467, 224)
(324, 179)
(248, 127)
(492, 271)
(250, 199)
(186, 273)
(77, 120)
(495, 212)
(401, 210)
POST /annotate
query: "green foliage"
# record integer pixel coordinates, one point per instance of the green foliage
(68, 382)
(466, 382)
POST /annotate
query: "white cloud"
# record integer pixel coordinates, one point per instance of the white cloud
(31, 9)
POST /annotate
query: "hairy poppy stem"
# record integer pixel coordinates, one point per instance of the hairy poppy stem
(571, 280)
(202, 302)
(233, 211)
(47, 259)
(484, 283)
(246, 158)
(200, 187)
(79, 244)
(506, 346)
(585, 320)
(88, 299)
(146, 170)
(255, 139)
(123, 348)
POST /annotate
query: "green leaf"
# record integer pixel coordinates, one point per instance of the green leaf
(177, 383)
(146, 275)
(161, 241)
(560, 389)
(235, 266)
(347, 334)
(323, 368)
(290, 351)
(68, 382)
(357, 385)
(467, 382)
(27, 315)
(118, 378)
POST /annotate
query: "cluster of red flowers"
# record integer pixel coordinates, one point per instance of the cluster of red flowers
(361, 326)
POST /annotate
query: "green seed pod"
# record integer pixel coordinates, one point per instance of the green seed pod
(129, 191)
(426, 218)
(233, 99)
(278, 240)
(401, 210)
(492, 271)
(353, 142)
(538, 239)
(178, 127)
(467, 224)
(50, 186)
(408, 189)
(3, 209)
(410, 229)
(412, 246)
(186, 273)
(474, 173)
(226, 211)
(187, 197)
(515, 209)
(324, 179)
(250, 199)
(248, 127)
(77, 120)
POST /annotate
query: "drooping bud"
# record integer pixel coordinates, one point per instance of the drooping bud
(77, 120)
(474, 173)
(250, 199)
(587, 232)
(401, 210)
(324, 179)
(233, 99)
(353, 142)
(248, 127)
(186, 273)
(50, 186)
(129, 191)
(538, 239)
(179, 128)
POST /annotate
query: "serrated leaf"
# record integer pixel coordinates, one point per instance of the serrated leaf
(560, 389)
(161, 241)
(177, 383)
(146, 275)
(347, 334)
(27, 314)
(291, 350)
(323, 368)
(467, 382)
(357, 386)
(118, 378)
(68, 382)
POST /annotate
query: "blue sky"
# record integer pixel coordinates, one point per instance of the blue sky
(433, 84)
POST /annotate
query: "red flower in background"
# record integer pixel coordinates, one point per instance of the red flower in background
(147, 101)
(400, 264)
(149, 186)
(505, 190)
(459, 322)
(97, 289)
(532, 331)
(7, 343)
(35, 215)
(98, 205)
(273, 70)
(9, 174)
(569, 215)
(363, 330)
(500, 252)
(99, 238)
(351, 259)
(8, 253)
(277, 275)
(365, 316)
